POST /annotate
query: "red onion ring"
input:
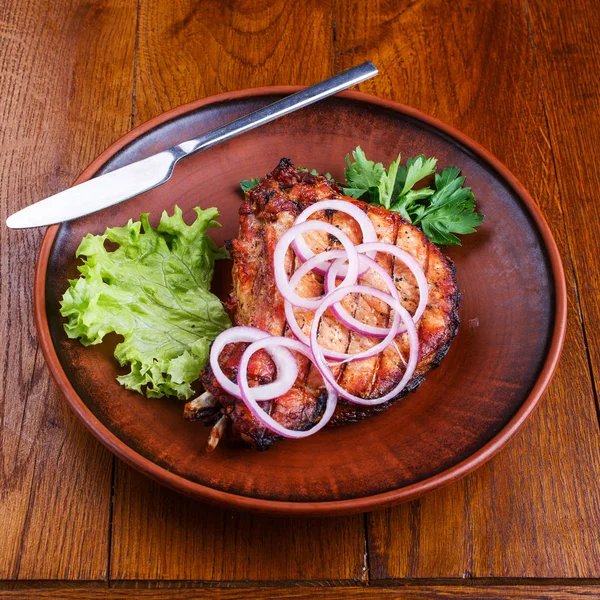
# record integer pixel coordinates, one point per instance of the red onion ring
(285, 362)
(281, 279)
(342, 314)
(343, 356)
(319, 358)
(249, 394)
(312, 263)
(359, 259)
(305, 268)
(412, 264)
(366, 226)
(292, 322)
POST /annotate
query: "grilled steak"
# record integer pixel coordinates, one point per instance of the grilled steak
(266, 213)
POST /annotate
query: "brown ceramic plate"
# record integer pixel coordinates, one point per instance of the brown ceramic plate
(513, 318)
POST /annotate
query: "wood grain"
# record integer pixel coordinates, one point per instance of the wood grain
(420, 592)
(66, 81)
(568, 60)
(519, 77)
(174, 538)
(528, 513)
(187, 52)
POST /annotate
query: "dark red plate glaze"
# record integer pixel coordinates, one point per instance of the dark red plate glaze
(513, 316)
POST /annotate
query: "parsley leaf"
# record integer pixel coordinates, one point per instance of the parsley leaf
(370, 181)
(416, 169)
(448, 210)
(388, 183)
(363, 177)
(249, 184)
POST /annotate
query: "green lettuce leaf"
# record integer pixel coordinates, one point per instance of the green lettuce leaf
(153, 289)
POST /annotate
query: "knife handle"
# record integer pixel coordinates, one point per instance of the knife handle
(282, 107)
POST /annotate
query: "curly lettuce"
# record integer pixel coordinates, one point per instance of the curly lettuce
(154, 290)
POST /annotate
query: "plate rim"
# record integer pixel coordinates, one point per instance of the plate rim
(330, 507)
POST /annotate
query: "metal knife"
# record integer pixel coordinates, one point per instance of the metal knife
(141, 176)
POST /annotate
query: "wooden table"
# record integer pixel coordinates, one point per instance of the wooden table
(521, 77)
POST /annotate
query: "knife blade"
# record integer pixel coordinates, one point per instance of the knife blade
(96, 194)
(138, 177)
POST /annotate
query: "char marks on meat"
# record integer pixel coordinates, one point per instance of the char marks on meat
(266, 213)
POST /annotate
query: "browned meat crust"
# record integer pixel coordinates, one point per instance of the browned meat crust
(266, 213)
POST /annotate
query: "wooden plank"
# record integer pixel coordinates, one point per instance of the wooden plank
(420, 592)
(568, 59)
(65, 93)
(159, 534)
(533, 511)
(187, 51)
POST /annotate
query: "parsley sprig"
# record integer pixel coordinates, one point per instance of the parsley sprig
(441, 211)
